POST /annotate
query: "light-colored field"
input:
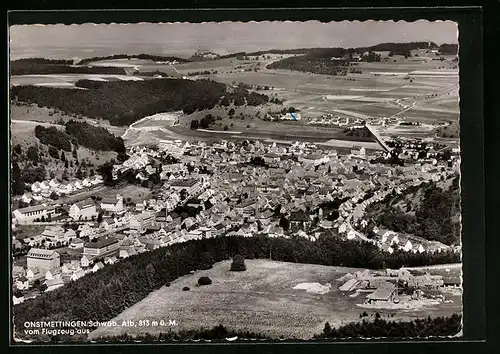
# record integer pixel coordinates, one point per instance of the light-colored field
(262, 299)
(430, 87)
(65, 80)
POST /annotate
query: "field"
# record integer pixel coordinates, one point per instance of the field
(262, 299)
(382, 89)
(135, 193)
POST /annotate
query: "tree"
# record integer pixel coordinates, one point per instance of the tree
(194, 124)
(327, 329)
(226, 128)
(238, 264)
(53, 152)
(18, 185)
(206, 260)
(231, 112)
(284, 223)
(17, 149)
(74, 153)
(32, 154)
(204, 281)
(99, 217)
(186, 288)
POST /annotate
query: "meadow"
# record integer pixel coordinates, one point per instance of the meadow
(261, 299)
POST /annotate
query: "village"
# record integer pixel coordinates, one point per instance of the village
(203, 190)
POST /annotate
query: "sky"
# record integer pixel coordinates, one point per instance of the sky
(87, 40)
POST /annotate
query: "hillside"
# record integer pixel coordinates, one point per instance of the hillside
(38, 159)
(125, 102)
(431, 212)
(338, 61)
(116, 287)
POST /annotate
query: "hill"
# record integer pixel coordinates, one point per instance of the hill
(54, 153)
(123, 103)
(431, 212)
(39, 66)
(106, 293)
(134, 56)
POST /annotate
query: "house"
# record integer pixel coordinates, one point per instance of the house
(53, 273)
(45, 187)
(408, 246)
(53, 234)
(77, 274)
(87, 260)
(34, 273)
(299, 221)
(17, 300)
(27, 197)
(110, 260)
(86, 230)
(127, 249)
(35, 188)
(140, 221)
(29, 214)
(97, 266)
(18, 271)
(22, 283)
(247, 207)
(101, 248)
(76, 243)
(191, 185)
(83, 210)
(43, 259)
(218, 229)
(326, 224)
(53, 284)
(112, 205)
(386, 292)
(69, 235)
(71, 267)
(265, 217)
(86, 183)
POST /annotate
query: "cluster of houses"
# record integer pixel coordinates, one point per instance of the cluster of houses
(386, 286)
(215, 190)
(332, 119)
(44, 189)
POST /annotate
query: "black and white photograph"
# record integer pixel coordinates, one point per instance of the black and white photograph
(235, 181)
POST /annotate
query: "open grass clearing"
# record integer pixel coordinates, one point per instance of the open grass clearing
(262, 299)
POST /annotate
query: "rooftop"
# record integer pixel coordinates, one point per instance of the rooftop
(102, 243)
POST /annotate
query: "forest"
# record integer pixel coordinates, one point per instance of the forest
(39, 66)
(114, 288)
(125, 102)
(128, 56)
(380, 328)
(435, 219)
(312, 63)
(94, 138)
(80, 133)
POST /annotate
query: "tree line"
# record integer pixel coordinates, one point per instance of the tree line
(41, 68)
(134, 56)
(380, 328)
(125, 102)
(111, 290)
